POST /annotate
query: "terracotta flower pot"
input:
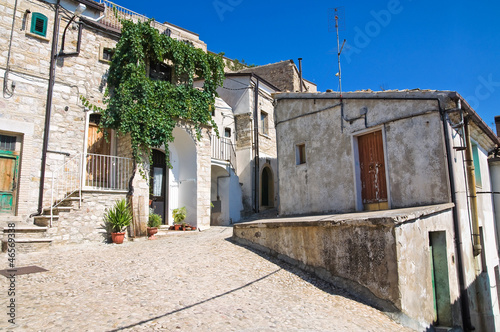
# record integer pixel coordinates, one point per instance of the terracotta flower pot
(177, 227)
(151, 232)
(118, 237)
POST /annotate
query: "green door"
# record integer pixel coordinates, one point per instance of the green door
(9, 163)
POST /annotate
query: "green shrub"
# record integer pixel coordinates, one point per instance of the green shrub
(179, 215)
(118, 217)
(154, 220)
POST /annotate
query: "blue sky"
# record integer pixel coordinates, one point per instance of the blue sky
(394, 44)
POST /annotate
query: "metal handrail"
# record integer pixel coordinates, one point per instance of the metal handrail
(65, 182)
(111, 20)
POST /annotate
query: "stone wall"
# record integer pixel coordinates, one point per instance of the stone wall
(382, 257)
(84, 224)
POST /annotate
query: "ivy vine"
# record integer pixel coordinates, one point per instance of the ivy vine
(149, 109)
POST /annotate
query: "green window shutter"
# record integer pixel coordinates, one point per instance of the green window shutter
(39, 24)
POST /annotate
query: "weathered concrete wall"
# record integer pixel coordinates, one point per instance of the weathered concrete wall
(329, 181)
(375, 255)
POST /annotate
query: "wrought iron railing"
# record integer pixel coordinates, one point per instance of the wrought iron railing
(89, 171)
(113, 13)
(223, 149)
(104, 172)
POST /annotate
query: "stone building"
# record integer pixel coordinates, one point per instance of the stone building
(388, 194)
(45, 126)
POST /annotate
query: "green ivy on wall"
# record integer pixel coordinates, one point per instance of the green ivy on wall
(149, 109)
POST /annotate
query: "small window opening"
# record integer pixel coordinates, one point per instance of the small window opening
(264, 126)
(95, 118)
(107, 53)
(227, 132)
(300, 154)
(39, 24)
(160, 72)
(7, 143)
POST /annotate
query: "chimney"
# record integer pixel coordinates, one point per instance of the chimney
(497, 123)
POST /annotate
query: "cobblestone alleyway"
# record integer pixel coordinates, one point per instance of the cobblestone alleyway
(192, 281)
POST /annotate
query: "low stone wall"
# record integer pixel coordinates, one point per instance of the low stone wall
(361, 252)
(84, 224)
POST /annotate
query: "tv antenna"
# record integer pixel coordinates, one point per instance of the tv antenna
(336, 19)
(336, 15)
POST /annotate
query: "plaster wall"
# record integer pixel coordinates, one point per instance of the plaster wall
(328, 180)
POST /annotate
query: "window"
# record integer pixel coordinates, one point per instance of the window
(477, 169)
(39, 24)
(227, 132)
(7, 143)
(107, 53)
(264, 127)
(160, 72)
(300, 154)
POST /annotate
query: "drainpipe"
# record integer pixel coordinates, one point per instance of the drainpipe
(464, 296)
(48, 107)
(256, 145)
(471, 182)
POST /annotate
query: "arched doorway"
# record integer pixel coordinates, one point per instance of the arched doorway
(267, 188)
(157, 191)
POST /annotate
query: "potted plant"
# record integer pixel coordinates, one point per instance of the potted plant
(117, 219)
(179, 215)
(154, 222)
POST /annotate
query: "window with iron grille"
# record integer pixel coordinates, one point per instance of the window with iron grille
(7, 143)
(39, 24)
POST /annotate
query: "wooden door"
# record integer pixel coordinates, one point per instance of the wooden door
(98, 149)
(372, 170)
(9, 162)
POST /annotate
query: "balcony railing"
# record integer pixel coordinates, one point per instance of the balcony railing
(107, 172)
(113, 21)
(89, 171)
(223, 149)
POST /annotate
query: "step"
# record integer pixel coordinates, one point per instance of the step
(25, 231)
(43, 221)
(26, 245)
(68, 201)
(57, 210)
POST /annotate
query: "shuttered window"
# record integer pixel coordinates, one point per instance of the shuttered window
(39, 24)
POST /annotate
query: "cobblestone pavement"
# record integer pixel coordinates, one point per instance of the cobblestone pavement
(191, 281)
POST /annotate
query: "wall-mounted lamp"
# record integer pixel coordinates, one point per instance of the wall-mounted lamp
(77, 13)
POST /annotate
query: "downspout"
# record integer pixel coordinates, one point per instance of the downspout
(256, 145)
(464, 296)
(471, 182)
(48, 107)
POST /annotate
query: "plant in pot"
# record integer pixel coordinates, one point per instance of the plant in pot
(154, 222)
(179, 215)
(117, 219)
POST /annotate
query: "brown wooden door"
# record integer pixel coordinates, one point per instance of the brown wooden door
(98, 150)
(372, 167)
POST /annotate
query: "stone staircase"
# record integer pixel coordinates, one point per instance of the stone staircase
(34, 237)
